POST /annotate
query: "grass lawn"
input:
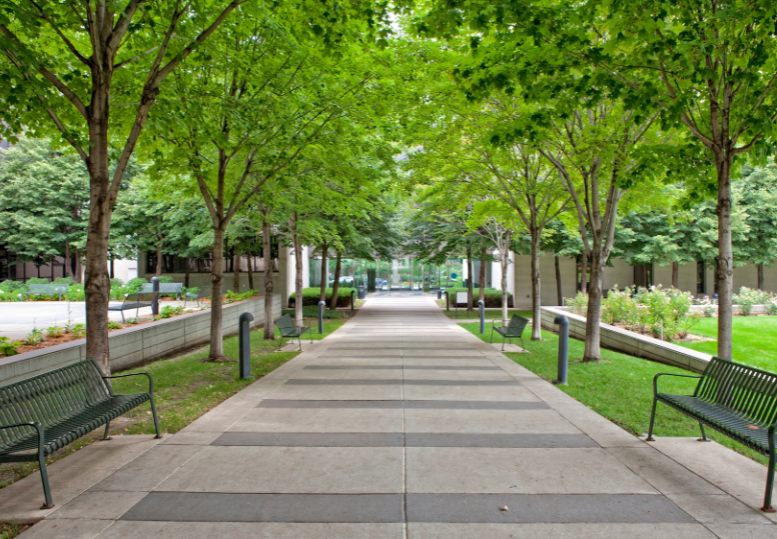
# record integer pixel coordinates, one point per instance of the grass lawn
(755, 340)
(619, 388)
(185, 388)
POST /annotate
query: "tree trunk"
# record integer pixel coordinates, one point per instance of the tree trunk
(113, 272)
(78, 271)
(68, 261)
(269, 328)
(504, 261)
(336, 284)
(216, 312)
(236, 271)
(469, 278)
(559, 292)
(536, 292)
(760, 278)
(725, 269)
(482, 276)
(97, 285)
(675, 274)
(593, 329)
(187, 269)
(584, 273)
(297, 276)
(250, 259)
(324, 272)
(158, 271)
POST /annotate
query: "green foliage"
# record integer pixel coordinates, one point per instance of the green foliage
(35, 337)
(55, 331)
(493, 297)
(133, 285)
(231, 297)
(749, 297)
(12, 286)
(64, 280)
(578, 304)
(661, 312)
(165, 279)
(77, 330)
(132, 321)
(8, 348)
(311, 297)
(116, 283)
(112, 324)
(37, 280)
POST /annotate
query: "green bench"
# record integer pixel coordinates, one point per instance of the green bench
(135, 301)
(48, 290)
(165, 289)
(44, 413)
(289, 329)
(735, 400)
(513, 330)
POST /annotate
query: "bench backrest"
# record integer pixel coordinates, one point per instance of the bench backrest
(49, 398)
(517, 324)
(285, 324)
(747, 391)
(164, 288)
(461, 298)
(49, 289)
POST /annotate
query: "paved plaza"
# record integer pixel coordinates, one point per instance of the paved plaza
(400, 425)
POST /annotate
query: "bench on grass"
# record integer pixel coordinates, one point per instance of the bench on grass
(289, 329)
(165, 289)
(134, 301)
(513, 330)
(44, 413)
(736, 400)
(48, 290)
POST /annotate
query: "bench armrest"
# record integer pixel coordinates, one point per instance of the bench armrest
(36, 426)
(657, 376)
(147, 375)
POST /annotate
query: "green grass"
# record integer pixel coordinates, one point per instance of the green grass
(312, 312)
(9, 530)
(491, 314)
(754, 340)
(185, 388)
(620, 388)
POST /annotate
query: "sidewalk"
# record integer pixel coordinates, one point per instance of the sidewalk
(401, 425)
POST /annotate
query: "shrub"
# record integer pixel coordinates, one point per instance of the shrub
(578, 304)
(771, 306)
(231, 297)
(114, 325)
(492, 297)
(166, 312)
(8, 348)
(133, 285)
(35, 336)
(165, 279)
(619, 306)
(77, 330)
(748, 297)
(55, 331)
(75, 293)
(312, 312)
(131, 321)
(64, 280)
(37, 280)
(311, 296)
(14, 295)
(12, 286)
(117, 283)
(662, 313)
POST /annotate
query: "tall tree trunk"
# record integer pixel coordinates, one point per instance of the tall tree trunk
(216, 303)
(469, 278)
(336, 284)
(269, 328)
(250, 259)
(113, 270)
(236, 271)
(68, 261)
(760, 278)
(79, 269)
(536, 290)
(675, 274)
(504, 261)
(482, 276)
(559, 291)
(297, 274)
(725, 269)
(593, 317)
(324, 271)
(584, 273)
(187, 269)
(158, 271)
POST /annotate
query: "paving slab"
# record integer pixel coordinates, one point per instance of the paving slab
(403, 425)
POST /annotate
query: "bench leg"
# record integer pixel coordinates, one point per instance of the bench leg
(652, 422)
(44, 477)
(107, 428)
(492, 333)
(767, 508)
(280, 345)
(156, 419)
(299, 338)
(703, 434)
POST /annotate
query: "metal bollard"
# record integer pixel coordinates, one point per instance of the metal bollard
(439, 294)
(563, 348)
(447, 302)
(155, 303)
(245, 345)
(321, 305)
(352, 293)
(482, 316)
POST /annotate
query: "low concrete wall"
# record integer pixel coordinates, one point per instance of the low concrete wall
(136, 345)
(628, 342)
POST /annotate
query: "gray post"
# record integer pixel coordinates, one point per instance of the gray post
(563, 348)
(352, 293)
(447, 301)
(155, 288)
(321, 305)
(245, 345)
(482, 316)
(439, 293)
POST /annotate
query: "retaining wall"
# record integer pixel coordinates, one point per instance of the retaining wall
(628, 342)
(135, 345)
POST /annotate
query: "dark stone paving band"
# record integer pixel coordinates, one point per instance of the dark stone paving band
(397, 404)
(224, 507)
(545, 508)
(383, 508)
(358, 347)
(390, 439)
(368, 382)
(400, 367)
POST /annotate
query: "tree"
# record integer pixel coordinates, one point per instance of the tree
(756, 194)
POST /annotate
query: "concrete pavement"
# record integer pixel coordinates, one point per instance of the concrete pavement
(402, 425)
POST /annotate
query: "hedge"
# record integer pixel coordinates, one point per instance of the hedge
(311, 296)
(493, 297)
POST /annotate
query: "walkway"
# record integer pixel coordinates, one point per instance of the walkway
(402, 425)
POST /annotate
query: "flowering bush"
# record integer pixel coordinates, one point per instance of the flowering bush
(578, 304)
(662, 313)
(748, 297)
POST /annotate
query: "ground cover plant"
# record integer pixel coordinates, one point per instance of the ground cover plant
(755, 340)
(185, 387)
(620, 388)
